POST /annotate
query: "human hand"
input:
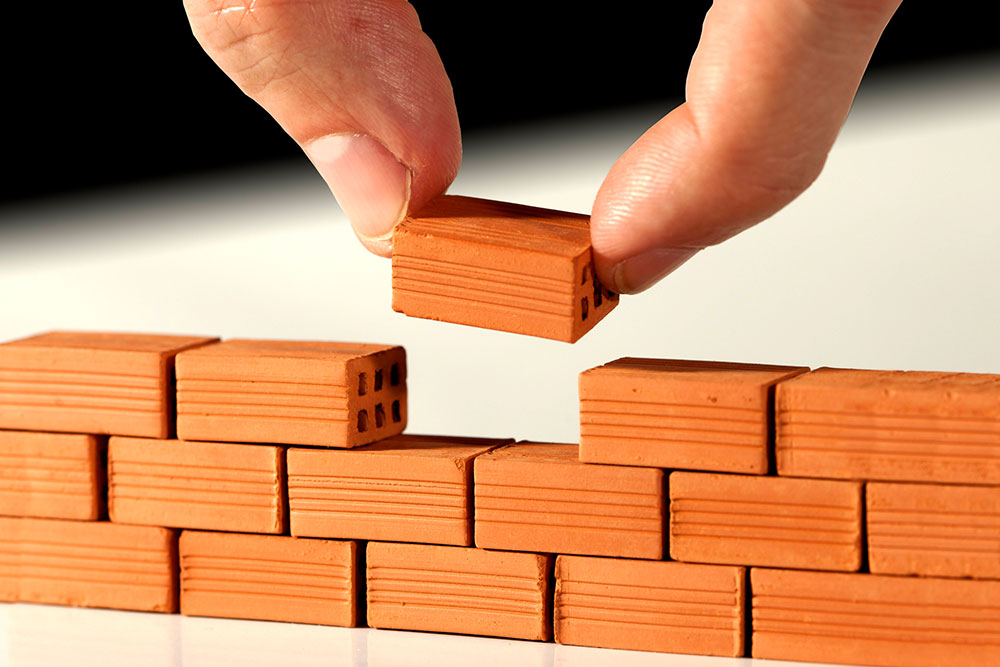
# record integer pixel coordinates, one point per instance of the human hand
(362, 90)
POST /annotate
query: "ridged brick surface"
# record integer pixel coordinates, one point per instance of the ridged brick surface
(269, 577)
(88, 564)
(499, 266)
(650, 606)
(770, 521)
(934, 530)
(51, 475)
(867, 619)
(890, 425)
(207, 485)
(410, 488)
(533, 496)
(458, 589)
(695, 415)
(103, 383)
(290, 392)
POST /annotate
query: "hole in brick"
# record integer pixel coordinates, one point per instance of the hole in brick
(584, 308)
(379, 416)
(394, 375)
(586, 275)
(362, 421)
(597, 298)
(396, 418)
(362, 384)
(378, 380)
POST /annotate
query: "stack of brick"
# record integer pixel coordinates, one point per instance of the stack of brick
(710, 508)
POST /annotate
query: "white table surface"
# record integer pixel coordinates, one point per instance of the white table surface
(891, 260)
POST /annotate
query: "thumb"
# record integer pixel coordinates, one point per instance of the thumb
(769, 87)
(357, 84)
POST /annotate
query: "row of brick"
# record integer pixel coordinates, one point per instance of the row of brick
(495, 494)
(614, 603)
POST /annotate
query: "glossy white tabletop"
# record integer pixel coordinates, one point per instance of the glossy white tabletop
(889, 261)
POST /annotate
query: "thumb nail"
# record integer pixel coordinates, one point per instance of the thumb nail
(370, 184)
(638, 273)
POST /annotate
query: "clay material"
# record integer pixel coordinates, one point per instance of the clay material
(650, 606)
(534, 496)
(88, 564)
(696, 415)
(269, 578)
(498, 266)
(890, 425)
(410, 488)
(457, 589)
(208, 485)
(103, 383)
(291, 392)
(771, 521)
(866, 619)
(934, 530)
(53, 475)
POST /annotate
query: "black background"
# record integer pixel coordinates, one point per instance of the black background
(108, 93)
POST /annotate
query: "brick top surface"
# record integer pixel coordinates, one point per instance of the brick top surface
(844, 378)
(319, 350)
(540, 452)
(86, 340)
(701, 371)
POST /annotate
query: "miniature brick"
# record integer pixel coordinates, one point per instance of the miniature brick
(771, 521)
(269, 578)
(51, 475)
(88, 564)
(498, 266)
(890, 425)
(868, 619)
(102, 383)
(207, 485)
(934, 530)
(650, 606)
(291, 392)
(410, 488)
(533, 496)
(696, 415)
(457, 589)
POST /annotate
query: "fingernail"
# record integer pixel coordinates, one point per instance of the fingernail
(370, 184)
(644, 270)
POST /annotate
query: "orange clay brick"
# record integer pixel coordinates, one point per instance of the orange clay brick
(120, 384)
(890, 425)
(650, 606)
(772, 521)
(52, 475)
(867, 619)
(498, 266)
(457, 589)
(696, 415)
(292, 392)
(934, 530)
(88, 564)
(534, 496)
(269, 578)
(207, 485)
(410, 488)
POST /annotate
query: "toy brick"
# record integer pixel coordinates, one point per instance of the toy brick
(533, 496)
(410, 488)
(88, 564)
(650, 606)
(869, 619)
(101, 383)
(459, 590)
(890, 425)
(51, 475)
(770, 521)
(498, 266)
(269, 578)
(934, 530)
(291, 392)
(206, 485)
(695, 415)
